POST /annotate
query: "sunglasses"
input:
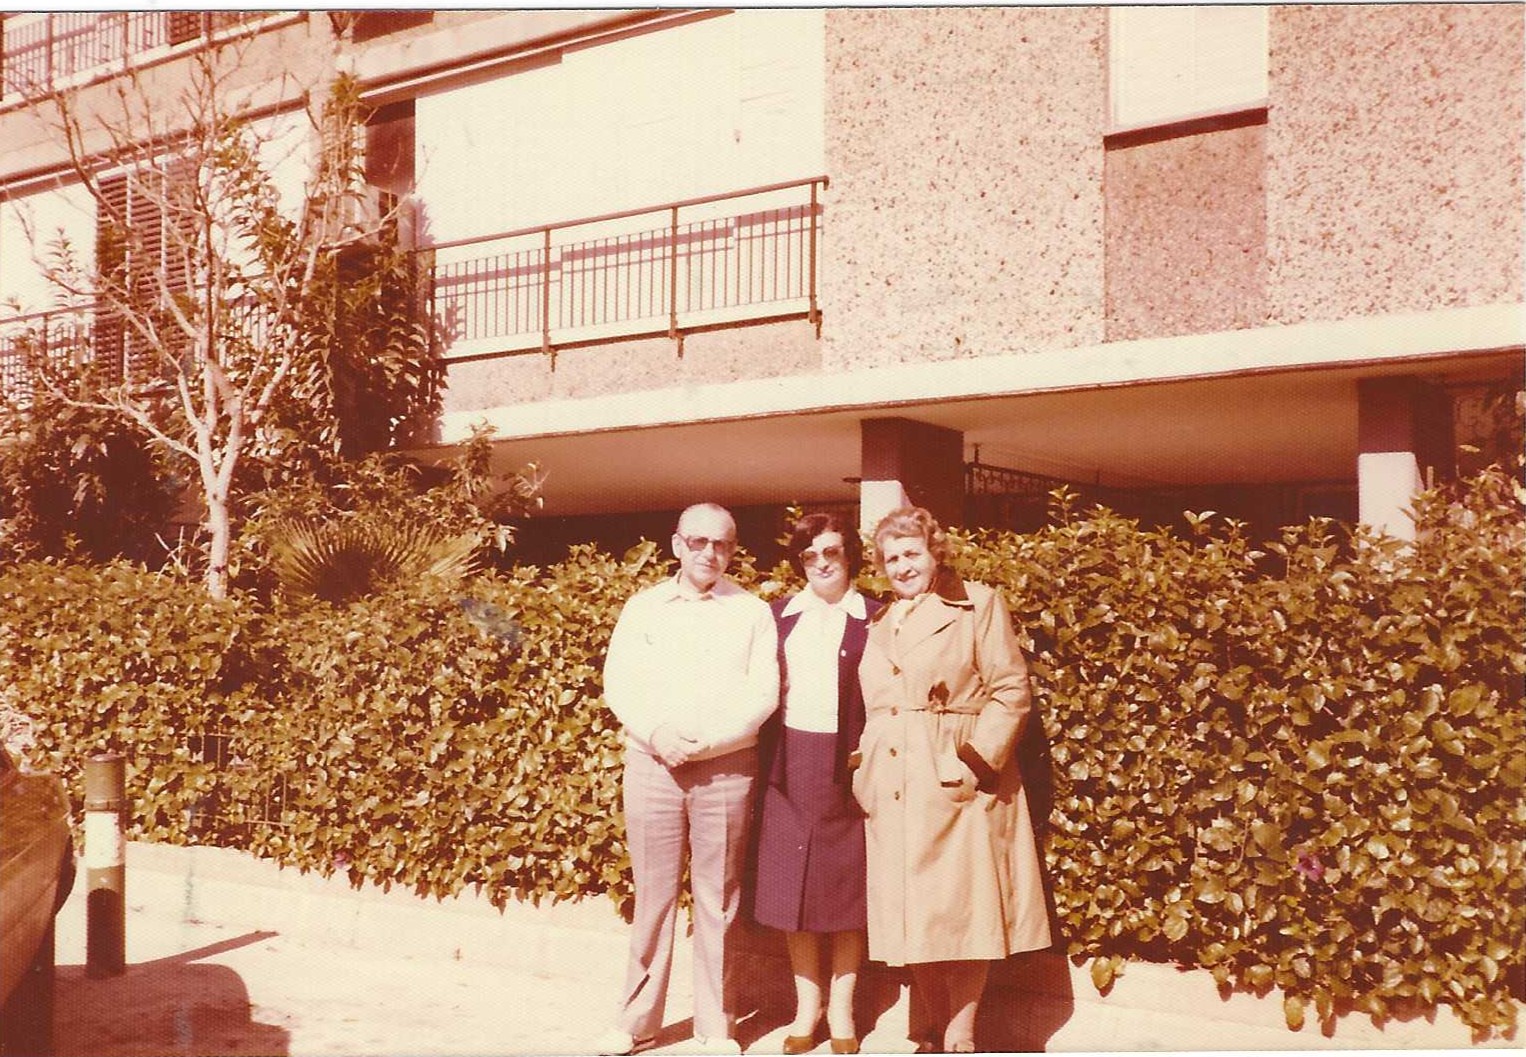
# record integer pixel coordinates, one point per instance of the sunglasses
(833, 553)
(697, 544)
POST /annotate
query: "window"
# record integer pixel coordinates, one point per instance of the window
(1171, 64)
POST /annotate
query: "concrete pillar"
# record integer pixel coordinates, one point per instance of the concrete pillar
(1404, 441)
(908, 463)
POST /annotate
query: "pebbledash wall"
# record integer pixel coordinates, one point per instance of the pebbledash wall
(975, 209)
(967, 207)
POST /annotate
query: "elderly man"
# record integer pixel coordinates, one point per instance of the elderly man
(692, 673)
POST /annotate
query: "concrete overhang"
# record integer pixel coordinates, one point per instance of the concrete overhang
(1273, 404)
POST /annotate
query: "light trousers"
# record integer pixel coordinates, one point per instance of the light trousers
(699, 810)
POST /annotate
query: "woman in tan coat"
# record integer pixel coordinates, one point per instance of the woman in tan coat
(954, 876)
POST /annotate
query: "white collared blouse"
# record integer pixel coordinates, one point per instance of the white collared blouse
(811, 657)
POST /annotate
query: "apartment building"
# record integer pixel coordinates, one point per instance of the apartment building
(1261, 260)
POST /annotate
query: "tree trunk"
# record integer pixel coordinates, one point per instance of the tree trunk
(219, 528)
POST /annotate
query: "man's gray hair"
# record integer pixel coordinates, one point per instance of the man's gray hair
(712, 508)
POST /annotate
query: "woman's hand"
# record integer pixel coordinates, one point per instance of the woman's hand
(955, 777)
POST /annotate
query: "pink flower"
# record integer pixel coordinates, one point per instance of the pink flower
(1310, 866)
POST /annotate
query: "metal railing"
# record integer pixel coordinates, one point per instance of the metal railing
(38, 340)
(39, 52)
(744, 257)
(723, 260)
(65, 340)
(231, 798)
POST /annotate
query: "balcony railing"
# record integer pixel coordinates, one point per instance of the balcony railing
(722, 260)
(65, 340)
(41, 52)
(63, 337)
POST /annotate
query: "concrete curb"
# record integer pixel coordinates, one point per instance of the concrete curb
(1039, 1000)
(235, 888)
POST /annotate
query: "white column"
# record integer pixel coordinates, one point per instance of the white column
(1387, 482)
(876, 499)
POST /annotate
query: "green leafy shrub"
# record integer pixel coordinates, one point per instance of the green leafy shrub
(80, 482)
(1298, 767)
(115, 658)
(458, 737)
(435, 735)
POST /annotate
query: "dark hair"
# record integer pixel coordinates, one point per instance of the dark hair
(812, 525)
(911, 523)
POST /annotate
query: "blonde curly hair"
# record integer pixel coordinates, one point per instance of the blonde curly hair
(911, 522)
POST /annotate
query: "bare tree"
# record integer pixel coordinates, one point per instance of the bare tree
(214, 297)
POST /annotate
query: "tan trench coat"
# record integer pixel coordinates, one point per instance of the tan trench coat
(953, 864)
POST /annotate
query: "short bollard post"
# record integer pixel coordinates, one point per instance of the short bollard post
(105, 865)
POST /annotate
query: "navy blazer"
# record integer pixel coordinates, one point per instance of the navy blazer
(850, 699)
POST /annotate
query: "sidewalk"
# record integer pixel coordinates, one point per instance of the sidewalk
(232, 955)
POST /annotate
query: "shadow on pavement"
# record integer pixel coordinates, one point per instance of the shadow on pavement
(767, 988)
(1028, 998)
(170, 1005)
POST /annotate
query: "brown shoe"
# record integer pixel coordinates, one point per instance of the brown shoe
(849, 1045)
(798, 1044)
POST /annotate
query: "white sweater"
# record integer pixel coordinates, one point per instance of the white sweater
(707, 664)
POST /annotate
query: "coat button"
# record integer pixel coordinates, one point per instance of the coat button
(895, 669)
(895, 711)
(898, 794)
(892, 752)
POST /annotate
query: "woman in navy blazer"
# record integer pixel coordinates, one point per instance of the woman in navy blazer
(810, 839)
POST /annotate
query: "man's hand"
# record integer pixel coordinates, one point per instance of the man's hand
(672, 746)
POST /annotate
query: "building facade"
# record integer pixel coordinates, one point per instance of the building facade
(1261, 260)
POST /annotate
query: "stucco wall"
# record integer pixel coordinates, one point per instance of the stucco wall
(965, 212)
(1395, 152)
(712, 107)
(1186, 235)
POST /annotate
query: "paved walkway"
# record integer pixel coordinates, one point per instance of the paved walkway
(231, 955)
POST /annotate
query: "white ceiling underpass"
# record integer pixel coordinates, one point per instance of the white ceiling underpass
(1293, 425)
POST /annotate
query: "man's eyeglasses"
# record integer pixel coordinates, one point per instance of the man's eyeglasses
(697, 544)
(833, 553)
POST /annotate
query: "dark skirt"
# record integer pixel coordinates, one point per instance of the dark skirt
(811, 867)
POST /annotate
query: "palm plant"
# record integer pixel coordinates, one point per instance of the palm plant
(339, 561)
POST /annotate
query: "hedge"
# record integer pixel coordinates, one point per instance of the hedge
(1297, 766)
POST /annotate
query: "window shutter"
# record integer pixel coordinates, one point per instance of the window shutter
(140, 261)
(1231, 48)
(145, 221)
(178, 244)
(184, 26)
(111, 273)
